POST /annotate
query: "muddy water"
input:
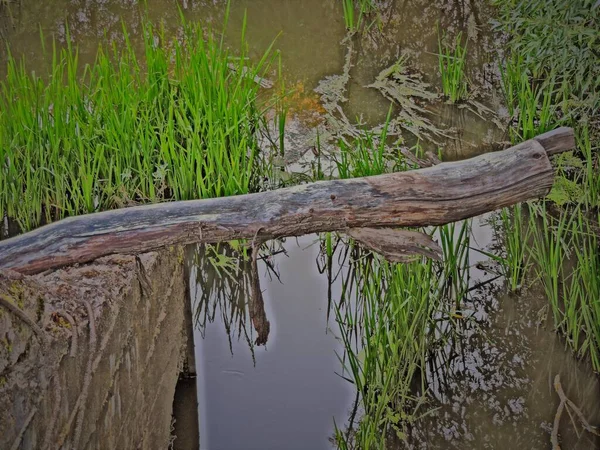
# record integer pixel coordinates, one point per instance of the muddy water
(313, 44)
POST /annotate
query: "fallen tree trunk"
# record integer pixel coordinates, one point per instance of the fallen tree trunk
(435, 195)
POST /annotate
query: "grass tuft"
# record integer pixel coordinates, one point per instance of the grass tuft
(451, 64)
(355, 11)
(176, 124)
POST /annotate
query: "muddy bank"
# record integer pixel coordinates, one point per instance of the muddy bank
(97, 364)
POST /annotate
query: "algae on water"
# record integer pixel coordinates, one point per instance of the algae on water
(406, 90)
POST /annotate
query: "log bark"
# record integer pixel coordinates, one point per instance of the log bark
(435, 195)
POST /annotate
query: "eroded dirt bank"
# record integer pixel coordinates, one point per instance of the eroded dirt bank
(71, 382)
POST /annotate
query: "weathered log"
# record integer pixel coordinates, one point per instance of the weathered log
(557, 141)
(435, 195)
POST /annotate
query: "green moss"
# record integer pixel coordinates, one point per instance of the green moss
(565, 191)
(7, 344)
(40, 308)
(17, 290)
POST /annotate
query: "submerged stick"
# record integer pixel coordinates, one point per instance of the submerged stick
(565, 402)
(436, 195)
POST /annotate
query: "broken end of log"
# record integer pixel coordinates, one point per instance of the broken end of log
(560, 140)
(397, 245)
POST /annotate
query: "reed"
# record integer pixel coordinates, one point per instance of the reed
(386, 330)
(553, 42)
(551, 247)
(568, 262)
(355, 11)
(455, 240)
(515, 235)
(591, 158)
(550, 78)
(178, 123)
(531, 105)
(368, 154)
(451, 63)
(587, 291)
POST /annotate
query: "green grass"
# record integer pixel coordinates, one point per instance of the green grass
(591, 157)
(551, 247)
(550, 73)
(455, 240)
(386, 331)
(566, 253)
(177, 123)
(451, 63)
(364, 156)
(530, 104)
(585, 322)
(550, 78)
(513, 233)
(369, 154)
(355, 11)
(557, 38)
(516, 234)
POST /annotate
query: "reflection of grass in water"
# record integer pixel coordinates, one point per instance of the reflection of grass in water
(451, 64)
(389, 314)
(224, 284)
(178, 123)
(387, 330)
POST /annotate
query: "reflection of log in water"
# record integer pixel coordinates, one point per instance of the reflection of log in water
(257, 304)
(228, 287)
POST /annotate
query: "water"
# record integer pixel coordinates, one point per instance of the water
(490, 385)
(286, 393)
(312, 41)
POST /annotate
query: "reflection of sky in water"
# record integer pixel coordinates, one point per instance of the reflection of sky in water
(290, 397)
(492, 382)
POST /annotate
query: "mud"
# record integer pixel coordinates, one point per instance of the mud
(103, 370)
